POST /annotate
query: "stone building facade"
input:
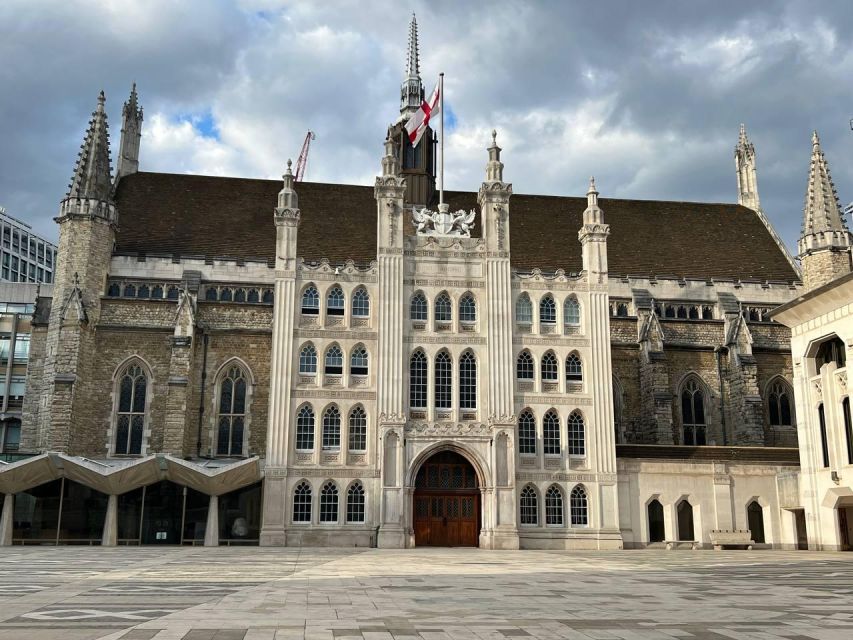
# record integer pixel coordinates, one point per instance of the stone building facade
(536, 379)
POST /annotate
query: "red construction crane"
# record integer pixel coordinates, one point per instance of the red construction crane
(302, 161)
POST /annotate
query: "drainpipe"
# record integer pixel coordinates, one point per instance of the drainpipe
(718, 352)
(201, 396)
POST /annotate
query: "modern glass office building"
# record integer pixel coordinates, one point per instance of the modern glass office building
(26, 257)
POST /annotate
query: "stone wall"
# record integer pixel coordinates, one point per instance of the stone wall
(824, 266)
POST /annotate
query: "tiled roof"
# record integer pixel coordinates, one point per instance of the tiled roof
(233, 217)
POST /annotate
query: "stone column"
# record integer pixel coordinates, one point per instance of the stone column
(723, 506)
(211, 531)
(287, 216)
(109, 536)
(176, 396)
(6, 520)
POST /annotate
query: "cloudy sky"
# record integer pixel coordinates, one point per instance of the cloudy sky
(647, 96)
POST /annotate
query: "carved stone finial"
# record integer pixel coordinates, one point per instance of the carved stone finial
(494, 137)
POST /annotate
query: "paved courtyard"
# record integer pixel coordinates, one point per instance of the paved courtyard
(73, 593)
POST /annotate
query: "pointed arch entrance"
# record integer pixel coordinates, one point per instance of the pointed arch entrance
(446, 502)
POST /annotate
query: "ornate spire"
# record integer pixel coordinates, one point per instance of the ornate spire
(92, 178)
(824, 245)
(592, 193)
(822, 211)
(747, 180)
(494, 168)
(412, 89)
(390, 162)
(131, 131)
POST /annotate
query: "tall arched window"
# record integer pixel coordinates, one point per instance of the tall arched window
(554, 506)
(310, 301)
(360, 303)
(443, 308)
(335, 302)
(779, 404)
(305, 429)
(684, 513)
(579, 507)
(574, 370)
(418, 307)
(332, 428)
(467, 381)
(443, 381)
(357, 429)
(130, 416)
(848, 427)
(467, 308)
(529, 506)
(550, 369)
(232, 413)
(523, 310)
(755, 519)
(358, 361)
(302, 502)
(308, 360)
(571, 312)
(334, 365)
(693, 419)
(329, 502)
(418, 380)
(355, 503)
(831, 350)
(547, 311)
(524, 366)
(551, 433)
(577, 437)
(526, 432)
(824, 444)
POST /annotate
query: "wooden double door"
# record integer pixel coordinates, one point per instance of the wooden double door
(446, 503)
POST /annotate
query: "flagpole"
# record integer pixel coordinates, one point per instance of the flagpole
(441, 142)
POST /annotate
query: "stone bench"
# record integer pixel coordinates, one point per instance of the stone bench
(734, 539)
(671, 545)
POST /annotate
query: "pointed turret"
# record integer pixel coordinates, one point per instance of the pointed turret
(747, 181)
(593, 238)
(412, 90)
(390, 162)
(493, 198)
(131, 132)
(494, 168)
(825, 242)
(90, 191)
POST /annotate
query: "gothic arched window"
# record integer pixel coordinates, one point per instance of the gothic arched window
(571, 312)
(779, 404)
(232, 413)
(358, 361)
(335, 302)
(355, 503)
(329, 502)
(302, 502)
(554, 506)
(305, 429)
(693, 419)
(332, 428)
(360, 303)
(529, 500)
(443, 308)
(467, 381)
(310, 301)
(551, 433)
(550, 369)
(577, 435)
(527, 432)
(547, 310)
(443, 381)
(467, 308)
(831, 350)
(418, 380)
(523, 310)
(357, 429)
(574, 369)
(579, 507)
(334, 365)
(524, 366)
(418, 309)
(308, 360)
(130, 415)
